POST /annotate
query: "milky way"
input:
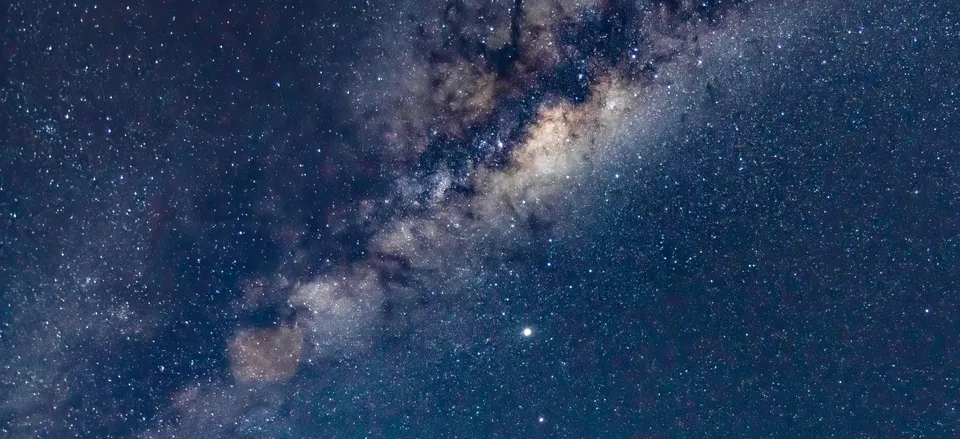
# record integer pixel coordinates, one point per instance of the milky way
(512, 119)
(479, 219)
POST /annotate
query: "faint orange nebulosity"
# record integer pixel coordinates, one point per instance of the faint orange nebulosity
(266, 355)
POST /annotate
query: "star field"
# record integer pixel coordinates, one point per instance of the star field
(429, 218)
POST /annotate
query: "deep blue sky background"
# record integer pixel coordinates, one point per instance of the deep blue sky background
(780, 261)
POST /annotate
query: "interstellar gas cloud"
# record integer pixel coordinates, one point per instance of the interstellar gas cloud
(504, 121)
(566, 218)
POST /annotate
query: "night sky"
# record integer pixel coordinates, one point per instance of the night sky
(480, 218)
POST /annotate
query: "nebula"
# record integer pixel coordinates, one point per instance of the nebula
(265, 354)
(506, 119)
